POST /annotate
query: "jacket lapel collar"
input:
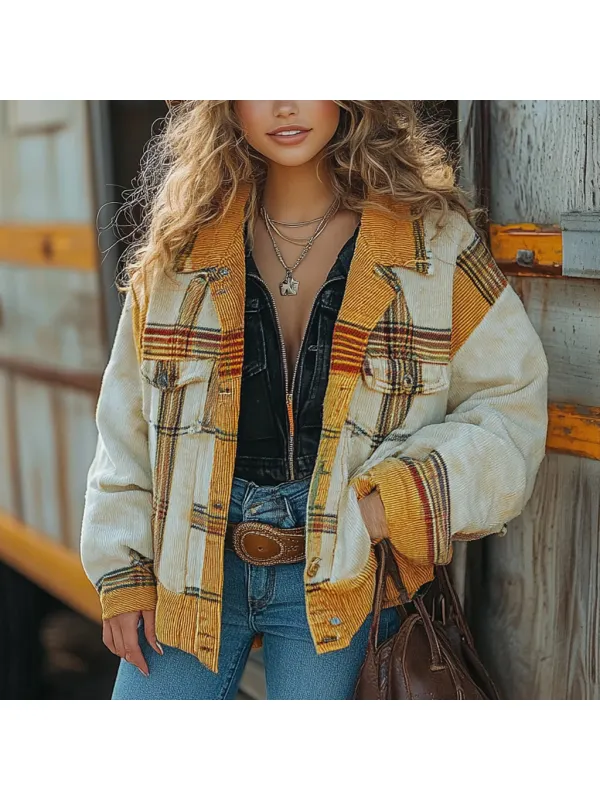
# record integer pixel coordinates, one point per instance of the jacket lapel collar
(219, 243)
(218, 254)
(383, 243)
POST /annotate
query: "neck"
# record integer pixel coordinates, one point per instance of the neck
(294, 194)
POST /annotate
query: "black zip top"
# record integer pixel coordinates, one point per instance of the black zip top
(281, 415)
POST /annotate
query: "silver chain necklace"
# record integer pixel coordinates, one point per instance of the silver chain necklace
(299, 242)
(289, 285)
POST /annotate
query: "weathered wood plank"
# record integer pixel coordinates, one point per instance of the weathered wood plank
(78, 442)
(545, 159)
(566, 315)
(52, 317)
(45, 162)
(8, 446)
(540, 590)
(37, 457)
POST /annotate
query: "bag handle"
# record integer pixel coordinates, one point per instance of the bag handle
(387, 565)
(378, 599)
(449, 592)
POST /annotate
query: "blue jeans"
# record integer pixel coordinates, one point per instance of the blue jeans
(267, 600)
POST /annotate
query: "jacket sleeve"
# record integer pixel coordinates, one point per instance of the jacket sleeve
(467, 476)
(116, 536)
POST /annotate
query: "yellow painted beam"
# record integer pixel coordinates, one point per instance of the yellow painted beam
(56, 245)
(50, 565)
(544, 242)
(574, 430)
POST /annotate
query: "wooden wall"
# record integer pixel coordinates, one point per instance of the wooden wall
(52, 344)
(534, 594)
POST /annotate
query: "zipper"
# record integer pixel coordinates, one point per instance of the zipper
(289, 388)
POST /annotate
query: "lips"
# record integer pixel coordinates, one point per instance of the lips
(288, 130)
(289, 134)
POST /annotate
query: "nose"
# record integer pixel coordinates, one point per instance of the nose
(285, 108)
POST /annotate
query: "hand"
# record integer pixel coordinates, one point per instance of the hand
(373, 514)
(120, 635)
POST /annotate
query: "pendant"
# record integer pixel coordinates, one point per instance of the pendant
(289, 285)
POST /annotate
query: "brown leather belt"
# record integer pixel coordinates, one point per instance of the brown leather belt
(264, 545)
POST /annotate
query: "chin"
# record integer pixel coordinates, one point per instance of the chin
(291, 157)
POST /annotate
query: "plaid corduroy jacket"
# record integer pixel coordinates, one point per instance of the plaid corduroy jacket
(437, 396)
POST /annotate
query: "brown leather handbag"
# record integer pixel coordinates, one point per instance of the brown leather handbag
(432, 656)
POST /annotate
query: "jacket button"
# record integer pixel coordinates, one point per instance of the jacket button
(408, 381)
(163, 380)
(313, 567)
(335, 621)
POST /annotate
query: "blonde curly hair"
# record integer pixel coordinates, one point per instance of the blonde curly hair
(191, 171)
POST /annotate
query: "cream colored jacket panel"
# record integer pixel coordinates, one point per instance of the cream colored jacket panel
(116, 539)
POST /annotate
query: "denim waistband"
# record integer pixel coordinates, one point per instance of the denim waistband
(283, 505)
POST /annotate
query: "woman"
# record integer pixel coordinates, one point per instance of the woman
(316, 350)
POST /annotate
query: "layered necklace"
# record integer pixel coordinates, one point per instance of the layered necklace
(289, 285)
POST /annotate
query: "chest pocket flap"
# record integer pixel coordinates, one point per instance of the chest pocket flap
(404, 375)
(175, 392)
(173, 374)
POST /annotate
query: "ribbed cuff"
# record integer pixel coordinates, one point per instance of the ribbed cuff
(406, 510)
(406, 517)
(130, 589)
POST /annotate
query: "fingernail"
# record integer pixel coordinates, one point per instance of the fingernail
(160, 650)
(145, 674)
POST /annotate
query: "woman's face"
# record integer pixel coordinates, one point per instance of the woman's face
(310, 125)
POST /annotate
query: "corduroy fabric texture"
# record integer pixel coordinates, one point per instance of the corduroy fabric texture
(436, 397)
